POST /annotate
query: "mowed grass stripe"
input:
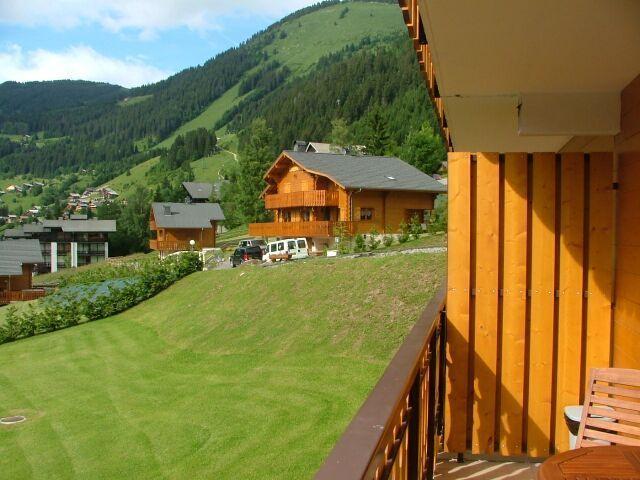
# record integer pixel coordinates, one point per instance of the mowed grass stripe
(248, 373)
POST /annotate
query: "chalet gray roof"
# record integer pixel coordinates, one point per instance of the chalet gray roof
(186, 215)
(198, 191)
(16, 232)
(82, 225)
(14, 253)
(368, 172)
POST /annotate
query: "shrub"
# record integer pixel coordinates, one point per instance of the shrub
(415, 227)
(387, 240)
(404, 233)
(84, 302)
(344, 240)
(360, 243)
(374, 242)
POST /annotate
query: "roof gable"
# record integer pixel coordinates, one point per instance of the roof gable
(365, 172)
(198, 190)
(186, 215)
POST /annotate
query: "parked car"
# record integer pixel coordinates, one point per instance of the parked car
(244, 254)
(290, 249)
(253, 242)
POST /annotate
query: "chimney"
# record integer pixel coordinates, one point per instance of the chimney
(167, 209)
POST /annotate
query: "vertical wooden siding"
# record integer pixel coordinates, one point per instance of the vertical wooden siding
(530, 255)
(626, 327)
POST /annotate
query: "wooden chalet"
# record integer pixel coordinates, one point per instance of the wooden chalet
(175, 225)
(17, 260)
(539, 103)
(313, 194)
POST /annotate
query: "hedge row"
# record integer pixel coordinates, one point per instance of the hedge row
(69, 309)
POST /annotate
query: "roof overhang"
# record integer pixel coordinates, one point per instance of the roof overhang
(518, 75)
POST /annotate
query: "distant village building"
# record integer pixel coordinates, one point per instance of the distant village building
(67, 243)
(313, 195)
(175, 225)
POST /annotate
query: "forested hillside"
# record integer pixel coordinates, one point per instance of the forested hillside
(339, 72)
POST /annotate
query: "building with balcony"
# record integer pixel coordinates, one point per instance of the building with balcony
(314, 195)
(175, 226)
(67, 243)
(17, 261)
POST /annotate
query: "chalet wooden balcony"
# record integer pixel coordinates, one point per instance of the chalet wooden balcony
(307, 229)
(311, 198)
(21, 295)
(173, 246)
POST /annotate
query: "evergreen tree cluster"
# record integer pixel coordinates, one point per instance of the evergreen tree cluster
(192, 146)
(372, 76)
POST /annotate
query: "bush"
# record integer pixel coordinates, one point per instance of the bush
(404, 233)
(374, 242)
(360, 244)
(66, 309)
(387, 240)
(415, 228)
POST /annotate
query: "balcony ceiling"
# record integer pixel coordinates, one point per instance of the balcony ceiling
(563, 61)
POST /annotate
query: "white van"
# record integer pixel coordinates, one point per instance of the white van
(289, 249)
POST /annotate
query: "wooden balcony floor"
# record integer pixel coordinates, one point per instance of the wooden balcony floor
(450, 469)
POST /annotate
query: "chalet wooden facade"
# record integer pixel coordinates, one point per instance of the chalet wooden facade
(175, 226)
(314, 194)
(17, 260)
(539, 103)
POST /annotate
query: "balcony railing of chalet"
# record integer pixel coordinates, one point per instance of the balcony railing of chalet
(397, 430)
(310, 198)
(172, 246)
(21, 295)
(308, 229)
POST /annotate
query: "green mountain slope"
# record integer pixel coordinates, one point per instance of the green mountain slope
(220, 376)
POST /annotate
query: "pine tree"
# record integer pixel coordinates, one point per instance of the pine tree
(424, 149)
(377, 135)
(340, 136)
(255, 158)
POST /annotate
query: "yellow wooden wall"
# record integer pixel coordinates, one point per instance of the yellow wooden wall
(626, 327)
(530, 295)
(390, 207)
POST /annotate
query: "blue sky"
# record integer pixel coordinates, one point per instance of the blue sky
(123, 41)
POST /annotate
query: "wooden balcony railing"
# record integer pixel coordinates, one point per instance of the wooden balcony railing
(307, 229)
(174, 246)
(311, 198)
(21, 295)
(396, 432)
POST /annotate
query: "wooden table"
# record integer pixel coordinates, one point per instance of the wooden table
(593, 463)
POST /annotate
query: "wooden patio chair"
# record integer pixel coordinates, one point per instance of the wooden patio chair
(611, 409)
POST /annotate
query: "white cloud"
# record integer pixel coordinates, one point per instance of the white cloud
(75, 63)
(144, 16)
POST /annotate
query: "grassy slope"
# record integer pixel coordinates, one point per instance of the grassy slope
(14, 200)
(125, 184)
(228, 374)
(209, 117)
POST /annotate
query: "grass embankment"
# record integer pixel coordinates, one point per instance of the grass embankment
(245, 373)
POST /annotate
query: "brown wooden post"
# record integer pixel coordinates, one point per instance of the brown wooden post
(214, 226)
(413, 434)
(431, 409)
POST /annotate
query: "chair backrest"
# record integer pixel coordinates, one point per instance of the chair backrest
(611, 409)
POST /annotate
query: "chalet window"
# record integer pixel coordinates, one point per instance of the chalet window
(366, 214)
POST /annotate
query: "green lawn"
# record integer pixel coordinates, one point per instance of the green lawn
(208, 169)
(225, 375)
(323, 32)
(125, 184)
